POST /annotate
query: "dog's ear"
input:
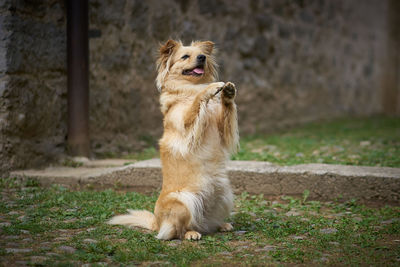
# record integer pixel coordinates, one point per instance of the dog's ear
(206, 46)
(167, 48)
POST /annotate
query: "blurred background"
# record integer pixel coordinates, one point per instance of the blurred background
(293, 62)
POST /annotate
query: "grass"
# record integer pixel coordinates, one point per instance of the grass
(284, 231)
(364, 141)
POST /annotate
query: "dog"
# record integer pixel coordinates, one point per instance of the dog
(200, 133)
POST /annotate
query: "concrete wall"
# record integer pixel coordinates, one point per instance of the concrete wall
(293, 62)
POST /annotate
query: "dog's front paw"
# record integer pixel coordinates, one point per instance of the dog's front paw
(228, 91)
(215, 88)
(192, 235)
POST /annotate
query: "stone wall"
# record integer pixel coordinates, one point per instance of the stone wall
(32, 82)
(292, 61)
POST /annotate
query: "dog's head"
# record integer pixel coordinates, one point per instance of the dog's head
(179, 63)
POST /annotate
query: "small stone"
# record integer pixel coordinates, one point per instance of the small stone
(300, 155)
(266, 248)
(328, 231)
(27, 239)
(240, 232)
(295, 237)
(5, 224)
(38, 259)
(174, 243)
(18, 250)
(61, 238)
(52, 254)
(25, 231)
(13, 213)
(365, 143)
(90, 229)
(70, 220)
(252, 214)
(334, 243)
(304, 219)
(292, 213)
(90, 241)
(67, 249)
(357, 219)
(390, 221)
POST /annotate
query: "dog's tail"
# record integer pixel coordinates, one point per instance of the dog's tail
(138, 218)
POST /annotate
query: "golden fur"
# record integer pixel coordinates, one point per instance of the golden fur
(200, 132)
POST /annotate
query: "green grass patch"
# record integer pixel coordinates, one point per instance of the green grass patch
(365, 141)
(284, 231)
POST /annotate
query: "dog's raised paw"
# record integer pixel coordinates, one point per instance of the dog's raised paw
(229, 90)
(226, 227)
(192, 235)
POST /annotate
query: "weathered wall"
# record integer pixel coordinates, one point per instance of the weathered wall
(32, 82)
(293, 61)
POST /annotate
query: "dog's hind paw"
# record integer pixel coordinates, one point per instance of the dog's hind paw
(226, 227)
(192, 235)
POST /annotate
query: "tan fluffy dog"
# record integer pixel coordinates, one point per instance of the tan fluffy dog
(200, 132)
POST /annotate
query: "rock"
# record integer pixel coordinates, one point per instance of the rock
(25, 232)
(18, 250)
(390, 221)
(298, 237)
(67, 249)
(5, 224)
(174, 243)
(13, 213)
(328, 231)
(266, 248)
(240, 232)
(365, 143)
(292, 213)
(90, 241)
(38, 259)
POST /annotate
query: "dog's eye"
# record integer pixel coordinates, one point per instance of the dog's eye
(185, 57)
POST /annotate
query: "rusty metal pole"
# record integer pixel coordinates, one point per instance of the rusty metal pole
(78, 77)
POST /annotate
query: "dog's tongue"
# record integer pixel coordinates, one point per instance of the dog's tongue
(198, 71)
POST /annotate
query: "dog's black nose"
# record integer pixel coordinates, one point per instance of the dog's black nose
(201, 58)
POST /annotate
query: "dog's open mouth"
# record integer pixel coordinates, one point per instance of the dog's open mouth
(197, 71)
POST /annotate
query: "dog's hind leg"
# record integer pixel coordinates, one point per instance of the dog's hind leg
(174, 221)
